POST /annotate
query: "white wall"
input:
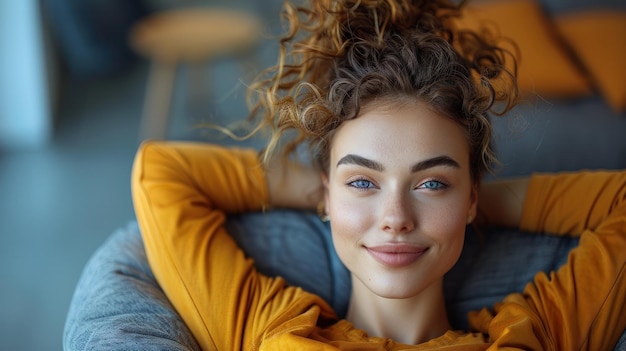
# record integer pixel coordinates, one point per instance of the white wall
(25, 116)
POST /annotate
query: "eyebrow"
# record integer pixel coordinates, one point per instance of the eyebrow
(445, 161)
(360, 161)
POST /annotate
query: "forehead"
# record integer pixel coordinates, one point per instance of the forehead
(393, 131)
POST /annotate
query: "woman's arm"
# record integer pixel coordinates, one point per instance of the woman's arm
(500, 202)
(570, 203)
(577, 201)
(182, 193)
(293, 185)
(580, 306)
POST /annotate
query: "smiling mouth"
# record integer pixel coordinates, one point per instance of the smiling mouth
(396, 255)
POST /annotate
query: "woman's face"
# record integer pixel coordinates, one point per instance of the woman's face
(399, 195)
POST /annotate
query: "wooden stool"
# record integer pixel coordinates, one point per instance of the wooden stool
(192, 36)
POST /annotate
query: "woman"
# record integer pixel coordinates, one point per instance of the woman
(394, 104)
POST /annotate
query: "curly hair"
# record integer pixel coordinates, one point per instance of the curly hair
(339, 55)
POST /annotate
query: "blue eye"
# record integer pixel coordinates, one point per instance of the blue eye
(361, 184)
(433, 185)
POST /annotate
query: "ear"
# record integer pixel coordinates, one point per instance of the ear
(325, 186)
(473, 205)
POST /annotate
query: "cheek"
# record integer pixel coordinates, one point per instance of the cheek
(452, 220)
(447, 228)
(348, 218)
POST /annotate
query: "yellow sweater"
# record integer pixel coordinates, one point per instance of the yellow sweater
(183, 191)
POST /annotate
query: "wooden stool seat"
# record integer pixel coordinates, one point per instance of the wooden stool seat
(195, 36)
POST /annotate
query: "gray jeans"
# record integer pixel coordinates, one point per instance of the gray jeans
(117, 304)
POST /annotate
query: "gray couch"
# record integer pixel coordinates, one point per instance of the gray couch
(117, 304)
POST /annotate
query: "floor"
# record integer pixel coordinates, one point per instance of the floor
(61, 202)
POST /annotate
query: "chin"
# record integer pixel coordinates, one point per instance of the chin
(397, 288)
(395, 295)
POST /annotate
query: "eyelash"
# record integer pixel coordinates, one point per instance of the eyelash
(352, 183)
(440, 185)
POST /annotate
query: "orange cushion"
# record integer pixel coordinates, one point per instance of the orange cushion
(544, 65)
(599, 40)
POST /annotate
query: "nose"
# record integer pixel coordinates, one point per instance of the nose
(397, 214)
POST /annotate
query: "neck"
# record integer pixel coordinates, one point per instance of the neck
(411, 321)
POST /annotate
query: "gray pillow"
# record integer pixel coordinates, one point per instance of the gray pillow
(118, 305)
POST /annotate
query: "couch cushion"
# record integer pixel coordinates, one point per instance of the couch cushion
(118, 304)
(544, 66)
(598, 37)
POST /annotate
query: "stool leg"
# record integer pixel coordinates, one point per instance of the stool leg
(200, 94)
(156, 112)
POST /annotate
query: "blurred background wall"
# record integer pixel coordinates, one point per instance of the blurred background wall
(25, 117)
(71, 99)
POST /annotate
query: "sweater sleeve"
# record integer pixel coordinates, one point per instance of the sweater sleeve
(570, 203)
(182, 193)
(582, 304)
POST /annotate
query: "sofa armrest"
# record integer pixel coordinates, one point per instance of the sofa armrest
(118, 305)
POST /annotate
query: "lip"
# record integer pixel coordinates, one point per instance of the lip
(396, 255)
